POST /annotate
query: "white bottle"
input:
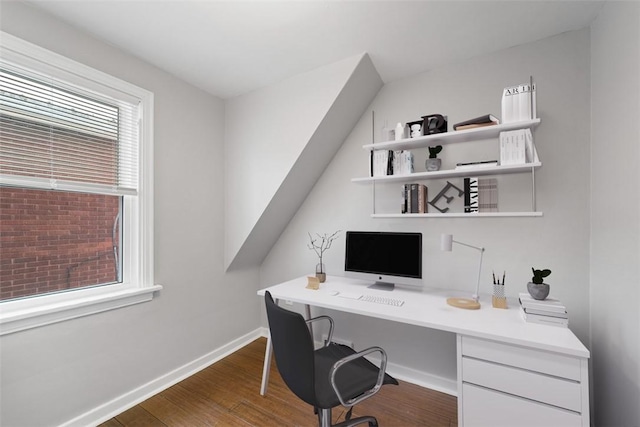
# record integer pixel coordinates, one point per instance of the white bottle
(399, 131)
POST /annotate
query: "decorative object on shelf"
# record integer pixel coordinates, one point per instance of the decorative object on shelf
(399, 134)
(313, 283)
(387, 133)
(415, 128)
(443, 195)
(446, 244)
(434, 123)
(482, 121)
(499, 299)
(537, 288)
(433, 163)
(319, 245)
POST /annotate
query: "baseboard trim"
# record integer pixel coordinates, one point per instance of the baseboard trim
(128, 400)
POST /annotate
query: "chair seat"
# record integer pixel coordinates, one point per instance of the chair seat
(352, 380)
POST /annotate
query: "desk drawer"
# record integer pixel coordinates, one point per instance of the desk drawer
(541, 388)
(558, 365)
(483, 407)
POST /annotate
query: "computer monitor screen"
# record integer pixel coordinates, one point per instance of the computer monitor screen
(387, 258)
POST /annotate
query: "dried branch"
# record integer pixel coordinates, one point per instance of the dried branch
(325, 241)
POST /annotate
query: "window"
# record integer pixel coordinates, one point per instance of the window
(76, 223)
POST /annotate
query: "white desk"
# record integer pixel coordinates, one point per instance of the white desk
(509, 372)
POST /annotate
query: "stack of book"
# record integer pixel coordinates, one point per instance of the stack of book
(547, 312)
(519, 103)
(414, 199)
(516, 147)
(482, 121)
(388, 162)
(480, 195)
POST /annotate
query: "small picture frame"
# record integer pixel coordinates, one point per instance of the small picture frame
(313, 283)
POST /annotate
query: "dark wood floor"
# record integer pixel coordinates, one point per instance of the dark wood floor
(227, 394)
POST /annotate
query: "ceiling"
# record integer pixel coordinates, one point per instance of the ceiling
(230, 48)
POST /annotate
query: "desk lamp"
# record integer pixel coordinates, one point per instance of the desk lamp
(446, 244)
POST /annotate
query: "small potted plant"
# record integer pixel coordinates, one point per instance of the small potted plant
(319, 245)
(433, 163)
(536, 287)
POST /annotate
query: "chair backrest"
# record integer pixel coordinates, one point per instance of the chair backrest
(293, 349)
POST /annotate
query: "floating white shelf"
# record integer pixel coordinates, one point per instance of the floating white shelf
(477, 134)
(422, 176)
(460, 215)
(469, 135)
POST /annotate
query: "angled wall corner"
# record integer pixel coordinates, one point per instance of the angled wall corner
(279, 140)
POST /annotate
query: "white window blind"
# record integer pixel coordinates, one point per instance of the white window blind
(62, 137)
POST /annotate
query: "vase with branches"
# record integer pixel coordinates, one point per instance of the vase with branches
(319, 244)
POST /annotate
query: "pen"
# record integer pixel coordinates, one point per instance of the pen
(503, 276)
(494, 277)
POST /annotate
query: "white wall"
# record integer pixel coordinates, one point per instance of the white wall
(559, 240)
(615, 207)
(52, 374)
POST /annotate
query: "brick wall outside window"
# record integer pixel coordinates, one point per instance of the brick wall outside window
(53, 240)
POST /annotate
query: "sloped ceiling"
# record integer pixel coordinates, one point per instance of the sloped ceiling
(273, 159)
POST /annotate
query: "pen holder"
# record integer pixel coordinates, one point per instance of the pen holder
(498, 300)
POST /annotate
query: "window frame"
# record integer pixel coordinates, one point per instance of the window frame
(137, 243)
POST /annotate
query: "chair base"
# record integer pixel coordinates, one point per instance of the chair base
(324, 420)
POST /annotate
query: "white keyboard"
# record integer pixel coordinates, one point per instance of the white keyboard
(382, 300)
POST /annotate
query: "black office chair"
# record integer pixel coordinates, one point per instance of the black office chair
(329, 376)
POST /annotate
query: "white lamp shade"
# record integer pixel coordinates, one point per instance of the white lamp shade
(446, 242)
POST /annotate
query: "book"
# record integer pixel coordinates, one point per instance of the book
(513, 147)
(530, 151)
(535, 311)
(390, 156)
(474, 165)
(379, 162)
(486, 120)
(544, 320)
(470, 195)
(519, 102)
(487, 195)
(476, 125)
(405, 163)
(414, 199)
(406, 199)
(422, 198)
(548, 304)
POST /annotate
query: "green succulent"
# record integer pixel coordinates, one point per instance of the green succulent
(539, 275)
(433, 151)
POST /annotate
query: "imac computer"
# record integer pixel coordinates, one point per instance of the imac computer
(386, 258)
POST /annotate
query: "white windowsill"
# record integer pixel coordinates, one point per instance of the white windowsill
(20, 315)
